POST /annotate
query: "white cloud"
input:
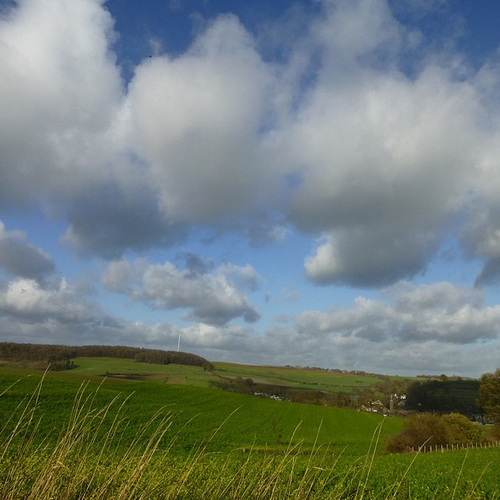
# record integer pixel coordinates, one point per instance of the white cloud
(65, 129)
(242, 276)
(59, 92)
(29, 301)
(440, 312)
(387, 163)
(211, 298)
(349, 29)
(198, 119)
(61, 312)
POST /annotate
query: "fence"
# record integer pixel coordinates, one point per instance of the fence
(449, 447)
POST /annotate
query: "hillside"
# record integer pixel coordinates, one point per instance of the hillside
(317, 386)
(246, 422)
(59, 357)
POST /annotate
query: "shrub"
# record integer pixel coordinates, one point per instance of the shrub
(434, 430)
(419, 429)
(460, 429)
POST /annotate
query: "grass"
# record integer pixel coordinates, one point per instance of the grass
(62, 438)
(93, 458)
(257, 422)
(97, 368)
(75, 435)
(305, 378)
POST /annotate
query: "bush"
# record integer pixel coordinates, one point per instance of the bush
(419, 429)
(434, 430)
(461, 430)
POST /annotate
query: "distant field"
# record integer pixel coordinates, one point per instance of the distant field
(192, 375)
(115, 367)
(305, 378)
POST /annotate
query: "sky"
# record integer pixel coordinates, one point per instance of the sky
(310, 183)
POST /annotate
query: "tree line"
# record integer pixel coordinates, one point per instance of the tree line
(444, 396)
(60, 357)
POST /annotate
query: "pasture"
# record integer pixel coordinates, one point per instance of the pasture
(302, 378)
(247, 421)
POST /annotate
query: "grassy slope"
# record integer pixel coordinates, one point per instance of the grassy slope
(97, 368)
(198, 412)
(192, 375)
(306, 378)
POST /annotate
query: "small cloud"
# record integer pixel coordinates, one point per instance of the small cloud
(292, 295)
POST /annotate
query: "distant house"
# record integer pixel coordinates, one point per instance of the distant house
(375, 407)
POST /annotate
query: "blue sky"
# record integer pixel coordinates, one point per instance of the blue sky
(310, 183)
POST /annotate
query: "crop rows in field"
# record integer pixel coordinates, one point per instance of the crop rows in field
(197, 413)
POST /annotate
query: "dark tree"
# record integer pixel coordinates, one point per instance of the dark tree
(489, 395)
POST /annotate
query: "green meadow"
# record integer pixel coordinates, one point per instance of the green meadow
(116, 368)
(245, 421)
(305, 378)
(115, 428)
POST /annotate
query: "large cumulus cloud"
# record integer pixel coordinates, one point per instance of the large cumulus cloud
(211, 297)
(59, 92)
(65, 129)
(362, 132)
(386, 159)
(200, 120)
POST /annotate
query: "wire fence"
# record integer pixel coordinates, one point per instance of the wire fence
(449, 447)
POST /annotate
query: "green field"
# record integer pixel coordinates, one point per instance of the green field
(257, 422)
(163, 433)
(115, 368)
(303, 378)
